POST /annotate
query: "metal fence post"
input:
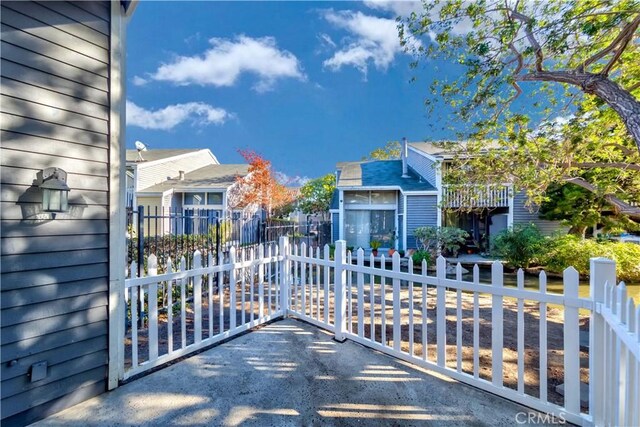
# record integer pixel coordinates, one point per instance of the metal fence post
(340, 274)
(602, 271)
(285, 274)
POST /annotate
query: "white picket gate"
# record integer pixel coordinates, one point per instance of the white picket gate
(406, 315)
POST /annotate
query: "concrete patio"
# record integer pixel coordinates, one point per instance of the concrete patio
(291, 373)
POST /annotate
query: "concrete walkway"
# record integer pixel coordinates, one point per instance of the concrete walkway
(291, 374)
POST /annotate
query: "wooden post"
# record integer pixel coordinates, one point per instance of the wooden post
(602, 271)
(285, 275)
(441, 307)
(497, 325)
(340, 274)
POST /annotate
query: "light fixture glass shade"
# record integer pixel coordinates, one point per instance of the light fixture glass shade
(55, 191)
(55, 200)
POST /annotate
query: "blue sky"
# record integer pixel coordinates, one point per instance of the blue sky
(306, 84)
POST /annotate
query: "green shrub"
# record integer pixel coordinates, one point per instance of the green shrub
(436, 239)
(420, 255)
(566, 251)
(520, 246)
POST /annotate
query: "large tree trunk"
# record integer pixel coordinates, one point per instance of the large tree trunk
(610, 92)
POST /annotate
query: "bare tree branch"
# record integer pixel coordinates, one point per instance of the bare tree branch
(614, 165)
(620, 206)
(532, 39)
(625, 34)
(625, 150)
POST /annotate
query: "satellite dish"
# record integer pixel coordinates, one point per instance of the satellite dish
(140, 146)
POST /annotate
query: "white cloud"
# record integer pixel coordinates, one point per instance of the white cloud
(372, 40)
(139, 81)
(326, 39)
(197, 113)
(399, 8)
(226, 60)
(404, 8)
(291, 181)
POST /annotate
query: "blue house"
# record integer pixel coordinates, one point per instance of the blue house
(386, 200)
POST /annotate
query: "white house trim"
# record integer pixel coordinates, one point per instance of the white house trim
(341, 216)
(404, 223)
(439, 187)
(511, 205)
(117, 191)
(143, 165)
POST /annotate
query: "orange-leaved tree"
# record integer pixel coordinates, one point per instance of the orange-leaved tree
(259, 188)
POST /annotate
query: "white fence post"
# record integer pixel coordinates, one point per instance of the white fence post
(197, 297)
(441, 307)
(232, 288)
(152, 269)
(602, 270)
(497, 313)
(397, 319)
(341, 294)
(285, 275)
(571, 280)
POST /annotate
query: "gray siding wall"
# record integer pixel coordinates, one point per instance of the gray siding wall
(421, 211)
(522, 215)
(422, 166)
(54, 112)
(335, 226)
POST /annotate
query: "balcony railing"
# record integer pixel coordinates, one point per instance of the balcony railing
(130, 197)
(475, 196)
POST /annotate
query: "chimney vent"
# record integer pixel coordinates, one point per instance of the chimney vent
(181, 175)
(403, 155)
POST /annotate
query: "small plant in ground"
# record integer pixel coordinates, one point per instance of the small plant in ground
(521, 246)
(435, 240)
(420, 255)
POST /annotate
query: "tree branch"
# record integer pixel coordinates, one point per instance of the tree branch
(624, 36)
(625, 150)
(532, 39)
(619, 206)
(614, 165)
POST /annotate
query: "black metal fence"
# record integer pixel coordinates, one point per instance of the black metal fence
(178, 233)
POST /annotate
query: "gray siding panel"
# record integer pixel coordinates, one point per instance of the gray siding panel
(522, 215)
(422, 166)
(421, 211)
(54, 112)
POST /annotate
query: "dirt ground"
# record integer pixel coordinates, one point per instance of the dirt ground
(555, 329)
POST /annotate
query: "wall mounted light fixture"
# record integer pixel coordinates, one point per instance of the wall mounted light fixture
(55, 191)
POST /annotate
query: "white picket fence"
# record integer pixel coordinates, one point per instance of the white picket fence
(214, 303)
(405, 314)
